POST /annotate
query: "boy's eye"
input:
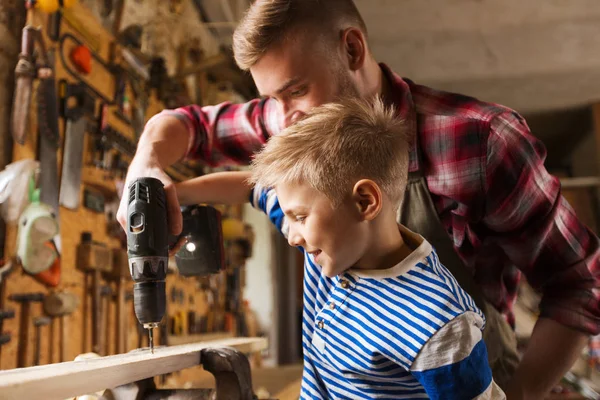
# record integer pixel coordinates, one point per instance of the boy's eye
(301, 91)
(300, 218)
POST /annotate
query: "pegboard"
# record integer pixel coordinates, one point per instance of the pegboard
(73, 223)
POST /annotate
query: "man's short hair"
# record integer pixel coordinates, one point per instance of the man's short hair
(269, 22)
(335, 146)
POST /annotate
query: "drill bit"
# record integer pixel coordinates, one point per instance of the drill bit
(151, 339)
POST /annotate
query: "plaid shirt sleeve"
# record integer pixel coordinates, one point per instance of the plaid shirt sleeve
(228, 134)
(537, 228)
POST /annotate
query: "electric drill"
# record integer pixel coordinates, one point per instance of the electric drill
(148, 250)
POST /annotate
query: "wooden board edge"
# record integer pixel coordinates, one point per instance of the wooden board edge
(69, 379)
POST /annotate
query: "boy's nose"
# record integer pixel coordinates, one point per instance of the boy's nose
(294, 239)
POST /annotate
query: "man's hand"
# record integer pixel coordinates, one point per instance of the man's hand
(553, 348)
(146, 166)
(163, 142)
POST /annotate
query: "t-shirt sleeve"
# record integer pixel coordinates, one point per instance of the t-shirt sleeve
(453, 364)
(265, 200)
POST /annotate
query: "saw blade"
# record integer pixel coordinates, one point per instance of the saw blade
(20, 109)
(70, 182)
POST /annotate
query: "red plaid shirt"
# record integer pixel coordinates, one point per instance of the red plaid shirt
(486, 175)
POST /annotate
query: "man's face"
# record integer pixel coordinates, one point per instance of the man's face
(300, 75)
(336, 238)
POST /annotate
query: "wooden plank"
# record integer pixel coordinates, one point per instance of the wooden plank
(69, 379)
(202, 337)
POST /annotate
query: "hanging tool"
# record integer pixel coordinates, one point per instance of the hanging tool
(77, 106)
(25, 300)
(38, 323)
(105, 295)
(94, 257)
(119, 273)
(25, 72)
(102, 71)
(48, 144)
(5, 314)
(60, 305)
(81, 57)
(52, 6)
(5, 271)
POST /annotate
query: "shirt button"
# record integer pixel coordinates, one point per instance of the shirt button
(321, 324)
(344, 283)
(332, 305)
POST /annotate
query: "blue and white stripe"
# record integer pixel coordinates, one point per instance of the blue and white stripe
(408, 332)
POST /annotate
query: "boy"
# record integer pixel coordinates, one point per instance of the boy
(383, 318)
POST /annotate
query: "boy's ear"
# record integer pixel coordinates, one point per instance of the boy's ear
(367, 198)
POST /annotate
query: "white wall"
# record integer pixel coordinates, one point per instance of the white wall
(259, 289)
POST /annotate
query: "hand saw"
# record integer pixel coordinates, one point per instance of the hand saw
(25, 72)
(77, 104)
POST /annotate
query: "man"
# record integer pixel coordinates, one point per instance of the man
(478, 189)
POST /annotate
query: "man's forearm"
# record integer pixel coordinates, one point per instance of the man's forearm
(165, 139)
(216, 188)
(552, 350)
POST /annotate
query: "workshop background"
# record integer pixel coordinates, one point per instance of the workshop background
(136, 57)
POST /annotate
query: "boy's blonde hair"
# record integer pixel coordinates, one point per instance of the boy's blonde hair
(335, 146)
(269, 22)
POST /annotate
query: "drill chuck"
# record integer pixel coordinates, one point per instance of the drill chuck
(148, 248)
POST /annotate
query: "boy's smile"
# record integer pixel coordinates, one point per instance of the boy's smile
(335, 237)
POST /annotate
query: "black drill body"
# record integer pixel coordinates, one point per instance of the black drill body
(148, 248)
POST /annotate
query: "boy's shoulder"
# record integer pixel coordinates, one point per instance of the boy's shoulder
(421, 284)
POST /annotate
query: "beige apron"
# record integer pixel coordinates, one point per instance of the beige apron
(418, 213)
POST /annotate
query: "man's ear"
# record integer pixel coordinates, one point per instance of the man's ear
(355, 47)
(367, 198)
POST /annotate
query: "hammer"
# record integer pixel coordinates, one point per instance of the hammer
(38, 322)
(5, 314)
(25, 299)
(5, 270)
(59, 305)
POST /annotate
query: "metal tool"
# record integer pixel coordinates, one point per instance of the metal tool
(105, 296)
(77, 104)
(4, 338)
(5, 271)
(60, 305)
(49, 142)
(38, 323)
(25, 299)
(5, 314)
(230, 367)
(148, 250)
(25, 72)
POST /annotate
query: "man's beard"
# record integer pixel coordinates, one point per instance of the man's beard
(345, 87)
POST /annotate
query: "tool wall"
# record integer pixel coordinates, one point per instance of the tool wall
(82, 303)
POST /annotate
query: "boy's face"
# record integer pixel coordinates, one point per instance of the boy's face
(336, 238)
(300, 75)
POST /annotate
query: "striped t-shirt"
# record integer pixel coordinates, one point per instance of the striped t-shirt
(407, 332)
